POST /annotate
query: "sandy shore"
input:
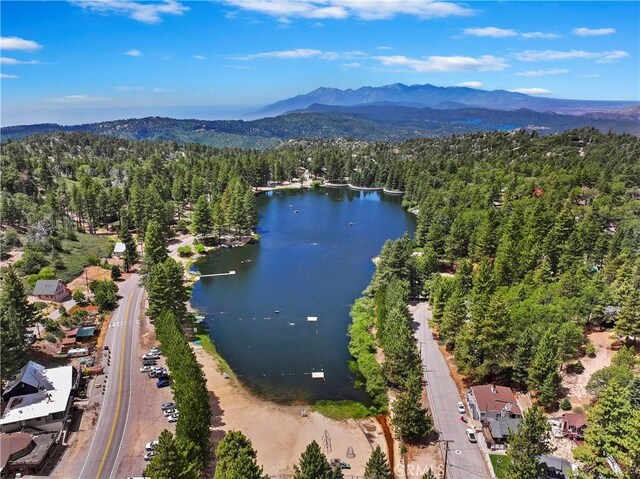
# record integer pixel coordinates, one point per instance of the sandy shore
(279, 433)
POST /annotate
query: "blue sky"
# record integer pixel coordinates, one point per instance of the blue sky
(78, 61)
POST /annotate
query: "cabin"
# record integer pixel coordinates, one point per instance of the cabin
(38, 398)
(51, 290)
(556, 467)
(119, 249)
(573, 425)
(489, 401)
(497, 431)
(24, 453)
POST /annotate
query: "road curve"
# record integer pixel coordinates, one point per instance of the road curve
(464, 459)
(121, 338)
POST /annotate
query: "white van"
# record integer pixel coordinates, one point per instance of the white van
(77, 352)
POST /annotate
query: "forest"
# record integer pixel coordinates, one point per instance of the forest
(539, 237)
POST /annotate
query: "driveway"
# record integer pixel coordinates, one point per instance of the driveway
(464, 459)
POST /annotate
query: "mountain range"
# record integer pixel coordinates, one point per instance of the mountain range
(392, 113)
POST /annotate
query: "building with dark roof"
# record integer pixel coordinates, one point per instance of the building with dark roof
(489, 401)
(51, 290)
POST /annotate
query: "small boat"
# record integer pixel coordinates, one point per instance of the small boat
(277, 311)
(350, 223)
(297, 211)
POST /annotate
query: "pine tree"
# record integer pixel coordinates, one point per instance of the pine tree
(249, 210)
(313, 464)
(16, 315)
(201, 221)
(155, 249)
(165, 286)
(410, 420)
(236, 458)
(429, 475)
(171, 460)
(628, 318)
(530, 441)
(377, 466)
(453, 317)
(130, 255)
(545, 361)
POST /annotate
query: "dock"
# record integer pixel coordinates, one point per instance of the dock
(217, 274)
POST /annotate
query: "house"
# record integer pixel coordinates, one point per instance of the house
(119, 250)
(51, 290)
(497, 431)
(38, 398)
(573, 425)
(24, 453)
(556, 467)
(489, 401)
(86, 334)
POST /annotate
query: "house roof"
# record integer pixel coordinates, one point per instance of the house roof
(86, 331)
(119, 248)
(557, 463)
(67, 341)
(46, 287)
(31, 374)
(575, 420)
(54, 386)
(503, 427)
(495, 398)
(12, 443)
(72, 333)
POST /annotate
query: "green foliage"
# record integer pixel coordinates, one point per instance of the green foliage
(237, 458)
(201, 222)
(115, 272)
(104, 294)
(341, 410)
(500, 464)
(618, 375)
(155, 247)
(166, 289)
(32, 262)
(79, 297)
(313, 464)
(590, 350)
(565, 405)
(200, 249)
(531, 440)
(16, 315)
(172, 459)
(377, 466)
(185, 251)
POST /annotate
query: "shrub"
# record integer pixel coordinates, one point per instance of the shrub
(565, 405)
(200, 249)
(32, 262)
(185, 251)
(578, 410)
(50, 338)
(115, 272)
(575, 368)
(104, 294)
(92, 259)
(590, 350)
(79, 297)
(182, 227)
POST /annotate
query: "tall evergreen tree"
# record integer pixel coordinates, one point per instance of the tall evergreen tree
(16, 315)
(377, 466)
(155, 248)
(530, 441)
(201, 221)
(166, 289)
(236, 458)
(171, 460)
(313, 464)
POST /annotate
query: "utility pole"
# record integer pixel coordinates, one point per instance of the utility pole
(446, 455)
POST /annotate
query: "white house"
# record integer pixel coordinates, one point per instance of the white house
(119, 250)
(38, 398)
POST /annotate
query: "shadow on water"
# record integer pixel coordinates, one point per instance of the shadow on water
(313, 263)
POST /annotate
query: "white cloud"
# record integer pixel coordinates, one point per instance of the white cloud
(16, 43)
(540, 35)
(471, 84)
(351, 65)
(13, 61)
(384, 47)
(340, 9)
(492, 32)
(148, 12)
(281, 54)
(446, 64)
(5, 76)
(531, 91)
(133, 53)
(199, 57)
(593, 32)
(543, 73)
(556, 55)
(78, 99)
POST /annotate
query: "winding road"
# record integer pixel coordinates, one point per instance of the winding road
(104, 450)
(464, 459)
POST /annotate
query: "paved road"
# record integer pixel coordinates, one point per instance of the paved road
(121, 338)
(464, 458)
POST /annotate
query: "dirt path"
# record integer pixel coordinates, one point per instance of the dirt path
(279, 433)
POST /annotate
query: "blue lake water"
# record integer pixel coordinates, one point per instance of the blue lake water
(313, 262)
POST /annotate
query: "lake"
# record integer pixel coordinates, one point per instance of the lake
(313, 260)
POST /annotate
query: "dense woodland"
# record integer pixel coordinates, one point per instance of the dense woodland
(542, 233)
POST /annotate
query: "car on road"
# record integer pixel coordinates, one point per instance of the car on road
(150, 446)
(461, 408)
(173, 418)
(162, 383)
(170, 412)
(149, 455)
(146, 369)
(471, 435)
(167, 405)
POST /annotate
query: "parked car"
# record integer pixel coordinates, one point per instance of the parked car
(173, 418)
(152, 373)
(461, 408)
(150, 446)
(338, 463)
(148, 362)
(155, 350)
(471, 435)
(170, 412)
(162, 375)
(151, 356)
(149, 455)
(146, 369)
(162, 383)
(168, 405)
